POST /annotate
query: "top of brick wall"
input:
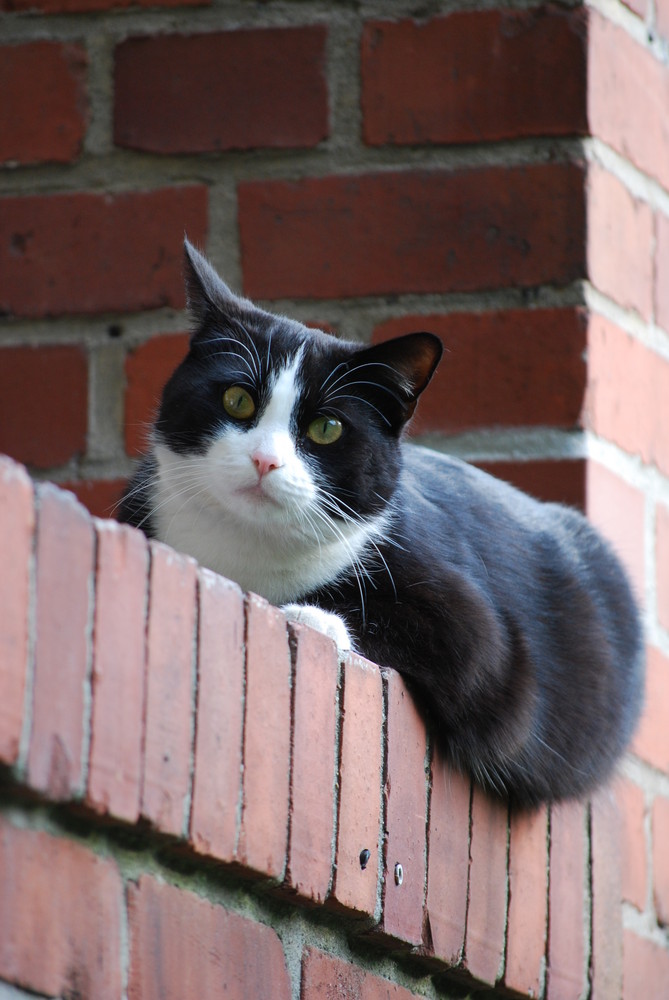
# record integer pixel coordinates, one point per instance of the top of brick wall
(231, 724)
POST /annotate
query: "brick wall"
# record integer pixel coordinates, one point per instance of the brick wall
(194, 796)
(498, 176)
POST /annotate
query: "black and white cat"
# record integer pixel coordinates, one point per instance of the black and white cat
(277, 460)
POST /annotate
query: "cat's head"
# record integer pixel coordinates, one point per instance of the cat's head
(279, 423)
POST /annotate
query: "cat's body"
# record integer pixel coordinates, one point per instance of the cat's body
(512, 619)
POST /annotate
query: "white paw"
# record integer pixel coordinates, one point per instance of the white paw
(323, 621)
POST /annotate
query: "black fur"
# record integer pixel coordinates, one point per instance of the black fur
(512, 620)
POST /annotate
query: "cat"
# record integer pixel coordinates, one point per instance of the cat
(277, 459)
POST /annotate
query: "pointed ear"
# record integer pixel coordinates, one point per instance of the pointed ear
(406, 364)
(206, 293)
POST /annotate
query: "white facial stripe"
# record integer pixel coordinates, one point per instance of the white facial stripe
(272, 434)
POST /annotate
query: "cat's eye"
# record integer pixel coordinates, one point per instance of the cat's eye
(325, 430)
(238, 403)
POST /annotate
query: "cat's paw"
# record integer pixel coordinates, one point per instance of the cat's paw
(323, 621)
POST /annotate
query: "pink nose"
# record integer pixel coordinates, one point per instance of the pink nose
(264, 463)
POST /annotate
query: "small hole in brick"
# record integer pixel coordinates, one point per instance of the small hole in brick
(115, 330)
(364, 858)
(399, 874)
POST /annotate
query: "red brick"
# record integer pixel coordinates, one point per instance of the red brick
(662, 17)
(324, 976)
(220, 708)
(620, 243)
(360, 779)
(92, 253)
(628, 396)
(169, 689)
(183, 946)
(635, 123)
(100, 496)
(63, 641)
(147, 369)
(474, 77)
(645, 969)
(662, 563)
(44, 102)
(405, 795)
(660, 283)
(17, 523)
(503, 369)
(486, 918)
(528, 901)
(567, 958)
(619, 511)
(412, 231)
(661, 859)
(607, 929)
(552, 479)
(60, 919)
(52, 428)
(118, 671)
(86, 6)
(448, 862)
(632, 809)
(313, 774)
(232, 90)
(639, 7)
(263, 836)
(651, 742)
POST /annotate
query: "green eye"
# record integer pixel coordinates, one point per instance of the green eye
(325, 430)
(238, 403)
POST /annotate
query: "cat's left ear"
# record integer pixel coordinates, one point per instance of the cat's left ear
(206, 293)
(406, 364)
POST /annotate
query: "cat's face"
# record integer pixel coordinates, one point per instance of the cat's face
(283, 427)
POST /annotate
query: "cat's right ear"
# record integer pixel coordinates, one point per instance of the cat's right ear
(207, 295)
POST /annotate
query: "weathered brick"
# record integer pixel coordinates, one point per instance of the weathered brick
(632, 810)
(651, 742)
(183, 946)
(264, 829)
(448, 862)
(91, 253)
(618, 510)
(486, 918)
(567, 969)
(635, 123)
(63, 642)
(660, 830)
(528, 901)
(607, 927)
(360, 779)
(220, 710)
(43, 86)
(627, 401)
(412, 231)
(313, 771)
(510, 368)
(661, 15)
(405, 793)
(17, 523)
(119, 652)
(327, 976)
(645, 968)
(168, 722)
(620, 242)
(662, 563)
(474, 77)
(60, 919)
(54, 431)
(553, 479)
(147, 369)
(222, 90)
(660, 283)
(99, 496)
